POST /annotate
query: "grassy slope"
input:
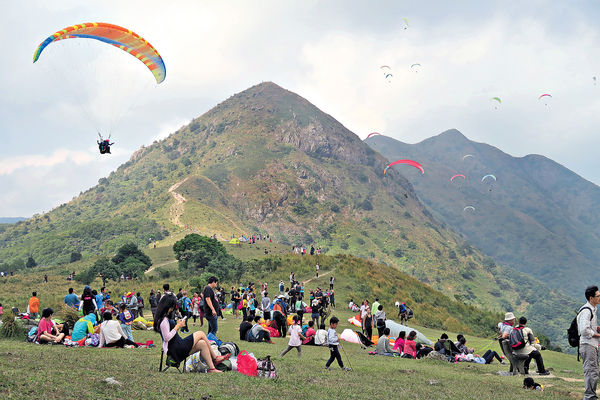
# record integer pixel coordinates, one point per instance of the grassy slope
(303, 378)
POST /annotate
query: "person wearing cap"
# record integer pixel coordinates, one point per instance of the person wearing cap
(505, 328)
(132, 304)
(589, 339)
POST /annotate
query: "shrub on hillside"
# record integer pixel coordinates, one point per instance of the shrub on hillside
(69, 315)
(12, 328)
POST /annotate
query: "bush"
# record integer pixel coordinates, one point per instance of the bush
(69, 315)
(163, 273)
(12, 328)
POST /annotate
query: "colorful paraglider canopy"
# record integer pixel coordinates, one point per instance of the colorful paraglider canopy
(458, 175)
(468, 155)
(469, 208)
(415, 65)
(544, 95)
(406, 22)
(373, 134)
(497, 99)
(385, 66)
(408, 162)
(388, 76)
(488, 176)
(117, 36)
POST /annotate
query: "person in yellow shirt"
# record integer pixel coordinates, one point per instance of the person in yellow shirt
(34, 306)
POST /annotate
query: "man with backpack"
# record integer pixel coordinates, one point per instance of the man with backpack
(528, 348)
(589, 338)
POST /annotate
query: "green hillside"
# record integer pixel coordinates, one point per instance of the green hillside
(267, 161)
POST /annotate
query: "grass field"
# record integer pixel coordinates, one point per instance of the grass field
(33, 371)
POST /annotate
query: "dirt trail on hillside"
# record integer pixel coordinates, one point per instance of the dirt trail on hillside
(176, 210)
(160, 265)
(320, 276)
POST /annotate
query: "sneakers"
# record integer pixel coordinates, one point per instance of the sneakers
(544, 373)
(502, 362)
(327, 369)
(346, 369)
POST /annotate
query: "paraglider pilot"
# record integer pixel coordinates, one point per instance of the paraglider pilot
(104, 145)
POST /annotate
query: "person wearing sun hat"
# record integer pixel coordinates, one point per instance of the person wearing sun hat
(132, 304)
(504, 329)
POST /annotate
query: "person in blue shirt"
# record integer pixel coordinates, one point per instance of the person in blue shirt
(71, 299)
(99, 299)
(83, 326)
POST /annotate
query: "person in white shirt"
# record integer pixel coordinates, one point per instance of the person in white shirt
(111, 334)
(295, 338)
(589, 338)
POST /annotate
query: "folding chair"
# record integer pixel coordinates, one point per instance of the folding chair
(170, 363)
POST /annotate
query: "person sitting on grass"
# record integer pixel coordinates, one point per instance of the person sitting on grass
(309, 337)
(422, 351)
(83, 326)
(410, 347)
(383, 344)
(399, 343)
(245, 327)
(47, 331)
(461, 345)
(108, 306)
(111, 333)
(258, 333)
(321, 336)
(530, 349)
(176, 348)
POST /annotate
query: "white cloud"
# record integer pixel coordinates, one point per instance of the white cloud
(60, 156)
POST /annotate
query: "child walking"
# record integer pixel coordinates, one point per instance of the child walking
(295, 336)
(334, 342)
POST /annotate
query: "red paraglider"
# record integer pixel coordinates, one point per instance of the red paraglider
(457, 175)
(408, 162)
(373, 133)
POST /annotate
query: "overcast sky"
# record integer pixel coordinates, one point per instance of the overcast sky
(329, 52)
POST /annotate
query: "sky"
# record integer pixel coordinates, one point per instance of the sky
(329, 52)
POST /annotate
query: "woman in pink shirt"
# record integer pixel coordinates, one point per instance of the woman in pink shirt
(410, 347)
(310, 334)
(47, 331)
(399, 343)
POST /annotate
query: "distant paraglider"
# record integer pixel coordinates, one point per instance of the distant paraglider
(408, 162)
(373, 134)
(488, 176)
(415, 67)
(469, 208)
(389, 77)
(458, 176)
(545, 96)
(497, 101)
(467, 156)
(406, 25)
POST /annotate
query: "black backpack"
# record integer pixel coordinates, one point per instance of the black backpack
(517, 341)
(573, 331)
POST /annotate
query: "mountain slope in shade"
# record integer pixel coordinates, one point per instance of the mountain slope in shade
(538, 217)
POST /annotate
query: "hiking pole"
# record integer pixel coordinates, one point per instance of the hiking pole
(347, 358)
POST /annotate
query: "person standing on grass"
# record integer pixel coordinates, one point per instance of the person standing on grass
(380, 320)
(266, 305)
(333, 341)
(367, 324)
(589, 339)
(195, 307)
(126, 319)
(317, 269)
(211, 304)
(295, 338)
(153, 300)
(140, 301)
(331, 280)
(34, 306)
(132, 304)
(71, 299)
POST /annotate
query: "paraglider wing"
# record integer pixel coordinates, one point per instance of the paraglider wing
(406, 22)
(488, 176)
(388, 75)
(415, 65)
(372, 134)
(497, 99)
(544, 95)
(468, 155)
(115, 35)
(457, 175)
(408, 162)
(385, 66)
(469, 208)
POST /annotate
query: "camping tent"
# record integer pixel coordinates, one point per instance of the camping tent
(234, 241)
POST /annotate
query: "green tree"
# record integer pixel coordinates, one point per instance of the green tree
(106, 269)
(195, 251)
(131, 250)
(133, 267)
(30, 262)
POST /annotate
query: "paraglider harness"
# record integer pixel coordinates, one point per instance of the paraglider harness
(104, 144)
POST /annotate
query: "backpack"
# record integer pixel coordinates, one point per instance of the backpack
(516, 339)
(573, 331)
(265, 368)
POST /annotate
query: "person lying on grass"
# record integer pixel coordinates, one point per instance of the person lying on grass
(111, 333)
(48, 332)
(176, 348)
